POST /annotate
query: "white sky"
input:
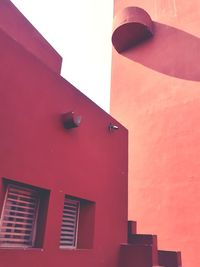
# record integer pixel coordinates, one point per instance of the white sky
(81, 33)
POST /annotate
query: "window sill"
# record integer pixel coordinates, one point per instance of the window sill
(17, 248)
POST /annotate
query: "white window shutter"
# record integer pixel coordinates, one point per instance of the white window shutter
(69, 227)
(19, 216)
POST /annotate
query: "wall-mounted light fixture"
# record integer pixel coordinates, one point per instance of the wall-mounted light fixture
(70, 120)
(112, 127)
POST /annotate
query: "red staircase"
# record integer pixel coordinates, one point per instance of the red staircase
(141, 251)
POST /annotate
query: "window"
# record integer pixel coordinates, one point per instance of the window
(77, 228)
(19, 217)
(69, 227)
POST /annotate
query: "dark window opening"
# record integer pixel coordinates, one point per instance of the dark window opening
(23, 216)
(77, 228)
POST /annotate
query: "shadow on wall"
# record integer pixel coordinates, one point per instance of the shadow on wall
(171, 51)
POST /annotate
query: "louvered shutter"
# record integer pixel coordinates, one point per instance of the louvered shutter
(19, 216)
(69, 228)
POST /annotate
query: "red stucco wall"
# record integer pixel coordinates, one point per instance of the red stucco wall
(155, 93)
(88, 162)
(21, 30)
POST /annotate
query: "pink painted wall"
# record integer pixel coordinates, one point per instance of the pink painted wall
(155, 94)
(21, 30)
(88, 162)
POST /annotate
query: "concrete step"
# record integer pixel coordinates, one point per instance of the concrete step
(132, 227)
(145, 239)
(169, 258)
(137, 255)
